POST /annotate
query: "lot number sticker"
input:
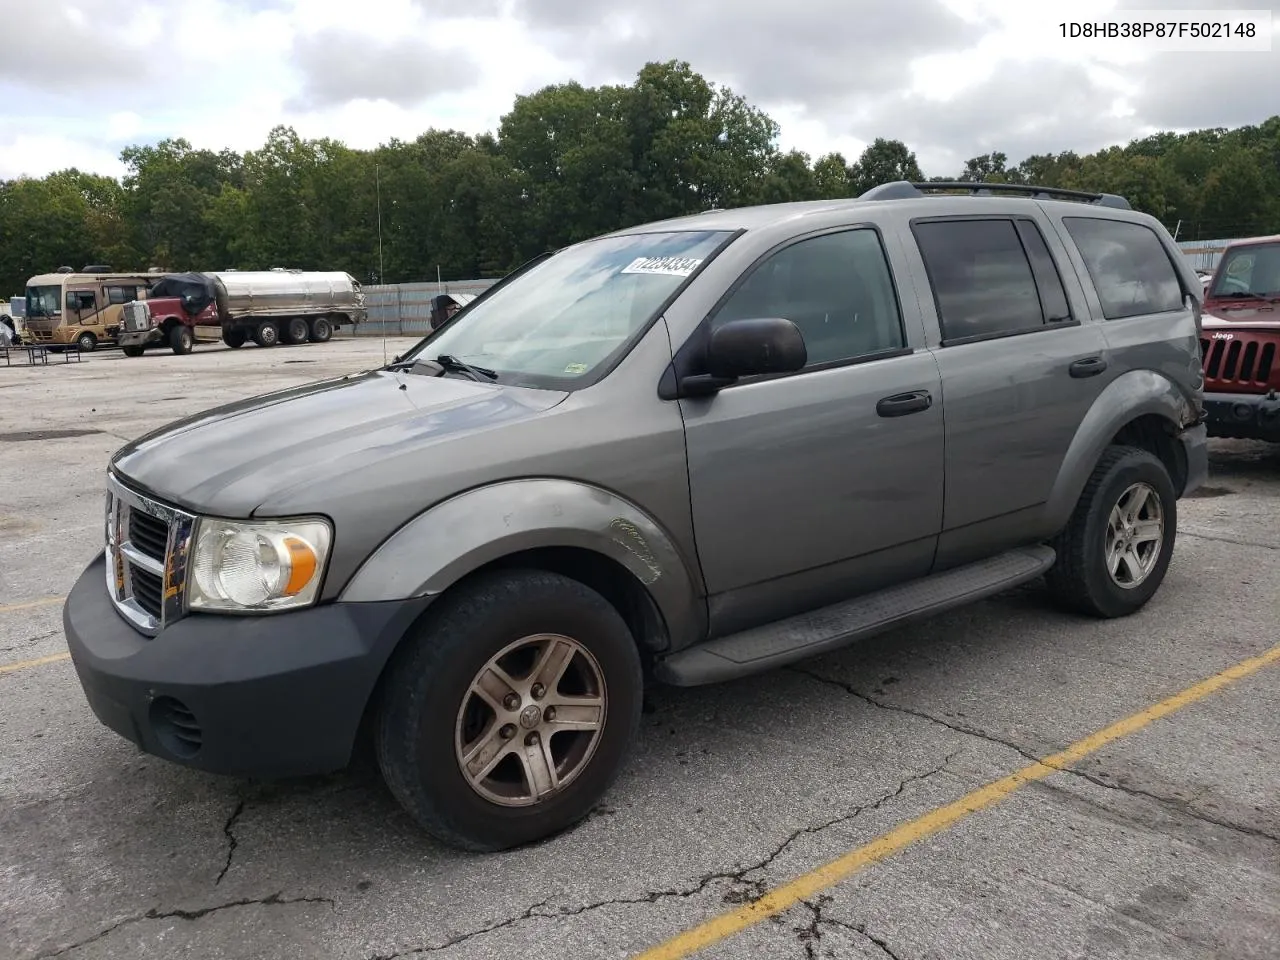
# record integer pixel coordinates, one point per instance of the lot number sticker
(664, 266)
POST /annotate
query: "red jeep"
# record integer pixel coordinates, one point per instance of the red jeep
(1240, 345)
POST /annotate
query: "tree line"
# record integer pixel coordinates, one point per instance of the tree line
(567, 162)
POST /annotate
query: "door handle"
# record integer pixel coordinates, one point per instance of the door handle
(1088, 367)
(901, 404)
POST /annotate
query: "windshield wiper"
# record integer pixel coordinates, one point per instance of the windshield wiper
(455, 365)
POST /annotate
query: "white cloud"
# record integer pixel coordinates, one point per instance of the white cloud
(950, 77)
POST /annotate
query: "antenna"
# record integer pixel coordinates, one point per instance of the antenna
(382, 277)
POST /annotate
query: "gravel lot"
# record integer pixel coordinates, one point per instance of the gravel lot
(1163, 843)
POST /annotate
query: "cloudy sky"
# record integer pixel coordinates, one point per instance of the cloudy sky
(80, 79)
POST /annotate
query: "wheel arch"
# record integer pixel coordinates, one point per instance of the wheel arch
(1141, 408)
(578, 530)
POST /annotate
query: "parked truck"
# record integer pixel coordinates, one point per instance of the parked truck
(1240, 344)
(268, 307)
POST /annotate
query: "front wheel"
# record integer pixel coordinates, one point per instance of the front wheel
(510, 711)
(1114, 552)
(181, 340)
(86, 343)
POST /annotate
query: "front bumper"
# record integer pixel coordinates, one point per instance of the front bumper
(1243, 416)
(265, 696)
(130, 338)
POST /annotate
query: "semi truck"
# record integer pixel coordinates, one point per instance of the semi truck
(266, 306)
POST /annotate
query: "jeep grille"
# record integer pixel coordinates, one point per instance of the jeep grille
(1242, 364)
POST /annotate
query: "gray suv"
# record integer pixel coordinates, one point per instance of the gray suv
(687, 451)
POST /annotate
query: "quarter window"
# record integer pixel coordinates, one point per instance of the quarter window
(982, 278)
(836, 288)
(1128, 265)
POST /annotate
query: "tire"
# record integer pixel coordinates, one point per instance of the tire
(267, 334)
(296, 331)
(181, 340)
(233, 338)
(429, 711)
(86, 343)
(321, 330)
(1081, 580)
(131, 351)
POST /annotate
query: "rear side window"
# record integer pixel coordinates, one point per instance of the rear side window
(1128, 265)
(983, 281)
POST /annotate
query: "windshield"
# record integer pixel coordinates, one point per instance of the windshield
(571, 315)
(1249, 272)
(44, 301)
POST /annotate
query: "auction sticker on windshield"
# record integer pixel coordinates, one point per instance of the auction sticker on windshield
(664, 266)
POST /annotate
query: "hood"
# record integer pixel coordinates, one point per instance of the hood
(1262, 317)
(229, 460)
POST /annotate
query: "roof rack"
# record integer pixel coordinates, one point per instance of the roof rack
(905, 190)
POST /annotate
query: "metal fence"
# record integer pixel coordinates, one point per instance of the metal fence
(404, 309)
(1203, 254)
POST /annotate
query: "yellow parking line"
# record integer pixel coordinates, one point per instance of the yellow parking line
(37, 662)
(31, 604)
(803, 887)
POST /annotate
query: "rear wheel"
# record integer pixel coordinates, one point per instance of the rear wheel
(86, 343)
(296, 330)
(510, 711)
(233, 338)
(1114, 552)
(267, 334)
(181, 339)
(131, 351)
(321, 330)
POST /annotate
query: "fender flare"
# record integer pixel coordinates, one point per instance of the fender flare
(1132, 395)
(457, 536)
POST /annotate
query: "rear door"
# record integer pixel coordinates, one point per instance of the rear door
(1021, 364)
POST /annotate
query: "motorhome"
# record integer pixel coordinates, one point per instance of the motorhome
(83, 309)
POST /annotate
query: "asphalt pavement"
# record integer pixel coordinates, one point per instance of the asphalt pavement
(1159, 839)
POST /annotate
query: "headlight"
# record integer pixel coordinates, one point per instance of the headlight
(270, 565)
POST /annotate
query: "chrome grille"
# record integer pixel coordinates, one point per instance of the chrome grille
(136, 316)
(146, 544)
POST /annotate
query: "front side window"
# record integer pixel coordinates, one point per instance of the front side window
(982, 279)
(1249, 273)
(122, 294)
(1128, 265)
(83, 300)
(836, 288)
(569, 317)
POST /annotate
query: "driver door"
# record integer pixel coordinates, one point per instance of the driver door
(806, 488)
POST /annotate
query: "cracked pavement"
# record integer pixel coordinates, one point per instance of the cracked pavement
(1164, 844)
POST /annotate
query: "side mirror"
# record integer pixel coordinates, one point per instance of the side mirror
(748, 348)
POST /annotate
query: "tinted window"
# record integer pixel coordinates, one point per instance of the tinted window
(1129, 267)
(836, 288)
(83, 300)
(1053, 298)
(121, 294)
(982, 280)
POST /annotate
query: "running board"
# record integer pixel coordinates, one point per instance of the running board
(830, 628)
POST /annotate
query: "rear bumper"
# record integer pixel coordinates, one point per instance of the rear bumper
(1243, 416)
(264, 696)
